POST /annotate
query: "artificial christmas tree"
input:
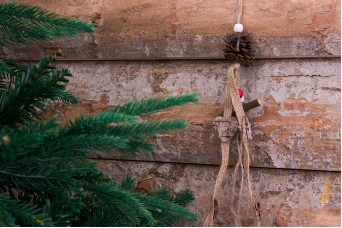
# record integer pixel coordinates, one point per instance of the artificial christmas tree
(46, 177)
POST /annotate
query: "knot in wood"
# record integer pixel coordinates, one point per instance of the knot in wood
(226, 128)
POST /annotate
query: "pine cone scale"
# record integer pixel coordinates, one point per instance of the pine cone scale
(239, 48)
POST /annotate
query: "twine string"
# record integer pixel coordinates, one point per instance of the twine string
(232, 102)
(238, 20)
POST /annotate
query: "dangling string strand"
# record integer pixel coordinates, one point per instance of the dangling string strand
(227, 113)
(249, 183)
(238, 20)
(226, 132)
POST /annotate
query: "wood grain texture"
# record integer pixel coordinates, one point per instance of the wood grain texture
(298, 126)
(154, 29)
(286, 197)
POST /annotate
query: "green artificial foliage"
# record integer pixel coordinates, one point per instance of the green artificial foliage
(152, 105)
(13, 211)
(25, 97)
(46, 176)
(25, 24)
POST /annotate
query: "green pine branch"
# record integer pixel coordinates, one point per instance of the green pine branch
(64, 207)
(86, 143)
(92, 176)
(46, 176)
(147, 128)
(4, 68)
(166, 212)
(51, 160)
(122, 202)
(85, 124)
(9, 70)
(36, 177)
(25, 24)
(154, 104)
(129, 130)
(25, 99)
(133, 209)
(182, 198)
(128, 183)
(13, 212)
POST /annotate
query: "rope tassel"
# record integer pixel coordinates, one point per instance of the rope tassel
(227, 127)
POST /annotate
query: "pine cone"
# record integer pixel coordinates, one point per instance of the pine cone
(243, 52)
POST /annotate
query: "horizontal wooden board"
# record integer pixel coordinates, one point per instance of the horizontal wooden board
(298, 126)
(153, 29)
(286, 197)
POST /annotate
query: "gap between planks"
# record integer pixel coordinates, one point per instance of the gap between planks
(191, 59)
(210, 164)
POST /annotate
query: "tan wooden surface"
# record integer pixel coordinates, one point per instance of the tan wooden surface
(286, 197)
(155, 29)
(298, 126)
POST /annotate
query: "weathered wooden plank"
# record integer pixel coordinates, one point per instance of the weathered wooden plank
(286, 197)
(298, 126)
(153, 29)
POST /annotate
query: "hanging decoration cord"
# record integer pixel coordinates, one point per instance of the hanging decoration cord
(238, 20)
(227, 128)
(225, 144)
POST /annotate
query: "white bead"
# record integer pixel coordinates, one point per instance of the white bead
(238, 28)
(242, 99)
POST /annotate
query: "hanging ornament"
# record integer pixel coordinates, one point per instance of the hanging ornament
(239, 45)
(234, 121)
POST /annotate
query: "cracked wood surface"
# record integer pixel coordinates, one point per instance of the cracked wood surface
(154, 29)
(286, 197)
(298, 126)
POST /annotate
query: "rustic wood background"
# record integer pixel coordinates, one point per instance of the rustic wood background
(144, 48)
